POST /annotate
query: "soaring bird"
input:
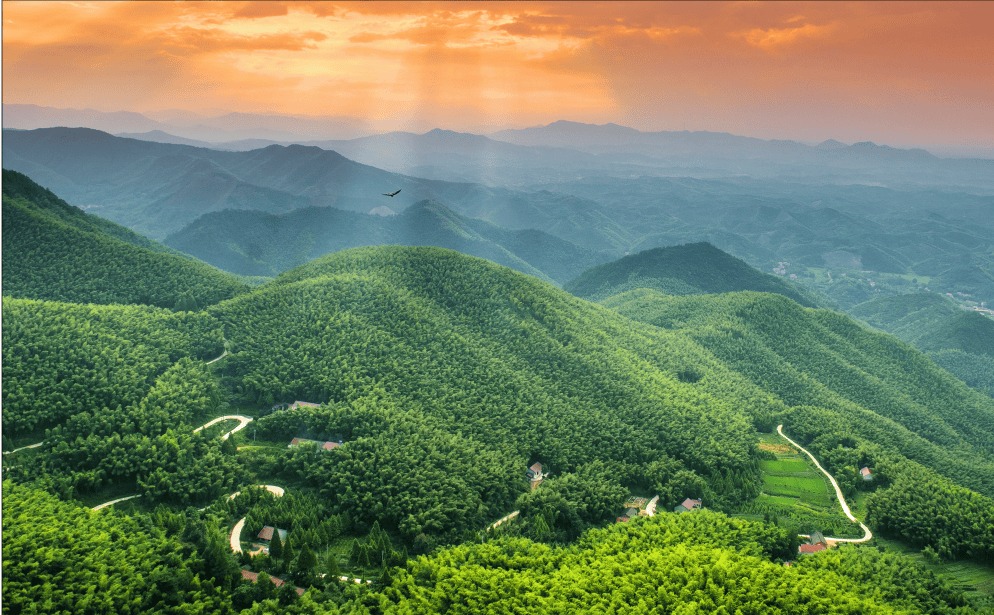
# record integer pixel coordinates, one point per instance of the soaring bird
(391, 193)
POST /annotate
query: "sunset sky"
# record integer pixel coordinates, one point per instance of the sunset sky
(888, 72)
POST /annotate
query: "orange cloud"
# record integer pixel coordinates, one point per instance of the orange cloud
(253, 10)
(774, 37)
(782, 69)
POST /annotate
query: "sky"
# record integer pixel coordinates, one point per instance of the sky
(891, 72)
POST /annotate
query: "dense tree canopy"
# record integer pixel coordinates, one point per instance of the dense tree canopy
(60, 558)
(60, 359)
(56, 252)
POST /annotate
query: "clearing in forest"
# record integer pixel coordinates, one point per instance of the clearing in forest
(795, 493)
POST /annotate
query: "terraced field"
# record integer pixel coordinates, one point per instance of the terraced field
(795, 493)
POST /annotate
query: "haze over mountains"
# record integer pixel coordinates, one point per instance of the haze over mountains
(558, 148)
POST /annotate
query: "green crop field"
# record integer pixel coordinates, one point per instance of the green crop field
(783, 466)
(794, 483)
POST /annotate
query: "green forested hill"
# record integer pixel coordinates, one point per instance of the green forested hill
(836, 376)
(467, 347)
(961, 342)
(60, 359)
(57, 252)
(929, 322)
(61, 558)
(697, 268)
(257, 243)
(700, 563)
(445, 376)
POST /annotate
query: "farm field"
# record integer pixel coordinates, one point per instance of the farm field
(796, 494)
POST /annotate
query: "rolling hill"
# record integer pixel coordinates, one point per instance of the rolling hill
(930, 322)
(445, 376)
(962, 342)
(57, 252)
(256, 243)
(689, 269)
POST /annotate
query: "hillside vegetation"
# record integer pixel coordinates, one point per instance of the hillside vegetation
(257, 243)
(836, 376)
(57, 252)
(959, 341)
(444, 377)
(689, 269)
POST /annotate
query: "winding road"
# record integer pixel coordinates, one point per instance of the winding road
(236, 532)
(502, 520)
(112, 502)
(845, 507)
(223, 355)
(243, 421)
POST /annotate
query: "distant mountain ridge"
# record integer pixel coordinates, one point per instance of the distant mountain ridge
(157, 188)
(225, 127)
(257, 243)
(689, 269)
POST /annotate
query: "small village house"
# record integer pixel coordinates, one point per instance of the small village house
(327, 446)
(865, 471)
(267, 533)
(248, 575)
(687, 506)
(535, 471)
(816, 543)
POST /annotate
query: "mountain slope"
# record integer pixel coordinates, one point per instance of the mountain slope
(158, 188)
(835, 376)
(962, 342)
(930, 322)
(689, 269)
(761, 353)
(254, 243)
(56, 252)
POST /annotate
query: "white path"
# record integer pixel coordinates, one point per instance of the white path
(236, 532)
(503, 519)
(23, 448)
(112, 502)
(223, 355)
(243, 422)
(845, 507)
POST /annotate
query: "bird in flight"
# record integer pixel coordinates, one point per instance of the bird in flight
(391, 193)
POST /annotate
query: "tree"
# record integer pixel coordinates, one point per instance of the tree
(276, 546)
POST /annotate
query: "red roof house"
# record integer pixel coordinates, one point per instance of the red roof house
(248, 575)
(811, 548)
(267, 533)
(687, 505)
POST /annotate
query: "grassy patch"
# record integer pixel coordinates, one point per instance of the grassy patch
(784, 466)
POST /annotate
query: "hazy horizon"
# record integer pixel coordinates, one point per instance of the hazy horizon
(902, 74)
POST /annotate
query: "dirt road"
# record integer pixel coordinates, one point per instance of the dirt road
(244, 421)
(838, 492)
